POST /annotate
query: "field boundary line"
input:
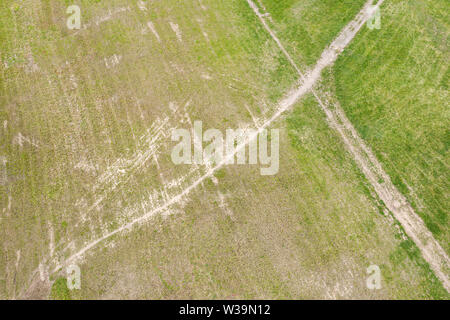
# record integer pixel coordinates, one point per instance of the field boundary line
(366, 160)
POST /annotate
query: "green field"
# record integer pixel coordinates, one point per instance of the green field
(399, 102)
(85, 122)
(307, 27)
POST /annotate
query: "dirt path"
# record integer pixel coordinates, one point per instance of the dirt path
(362, 154)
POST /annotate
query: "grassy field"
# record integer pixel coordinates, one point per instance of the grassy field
(399, 102)
(85, 147)
(301, 25)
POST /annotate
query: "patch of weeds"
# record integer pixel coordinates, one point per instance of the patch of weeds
(59, 290)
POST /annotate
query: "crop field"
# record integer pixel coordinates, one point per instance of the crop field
(87, 176)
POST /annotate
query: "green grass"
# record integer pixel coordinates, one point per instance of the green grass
(59, 290)
(307, 27)
(393, 85)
